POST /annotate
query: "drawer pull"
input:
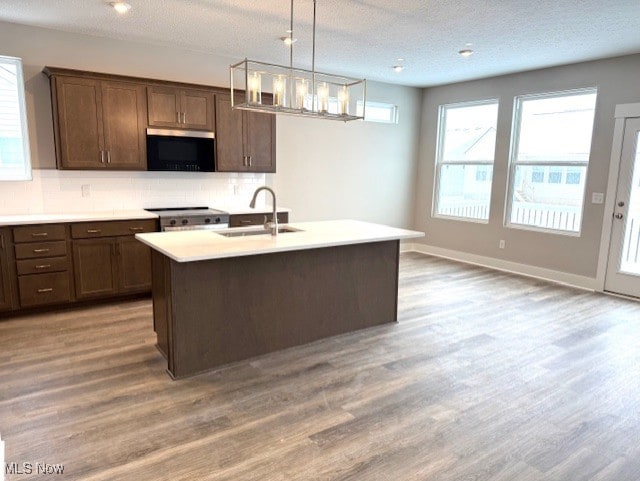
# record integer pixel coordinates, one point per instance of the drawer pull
(38, 251)
(43, 266)
(136, 229)
(93, 231)
(245, 222)
(45, 290)
(40, 234)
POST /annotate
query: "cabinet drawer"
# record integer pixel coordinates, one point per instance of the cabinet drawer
(39, 233)
(40, 289)
(41, 266)
(41, 249)
(88, 230)
(240, 220)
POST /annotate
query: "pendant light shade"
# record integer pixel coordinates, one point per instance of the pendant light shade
(296, 91)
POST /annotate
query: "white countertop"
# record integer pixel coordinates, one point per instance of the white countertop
(76, 217)
(199, 245)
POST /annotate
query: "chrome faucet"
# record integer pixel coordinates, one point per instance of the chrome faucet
(273, 226)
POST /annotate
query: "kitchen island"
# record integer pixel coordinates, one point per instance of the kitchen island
(224, 296)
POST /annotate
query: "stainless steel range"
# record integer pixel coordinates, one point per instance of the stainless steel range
(191, 218)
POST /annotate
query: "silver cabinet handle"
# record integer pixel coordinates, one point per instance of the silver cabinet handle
(178, 116)
(108, 156)
(93, 231)
(618, 216)
(43, 266)
(136, 229)
(46, 289)
(249, 161)
(184, 117)
(245, 222)
(102, 156)
(621, 204)
(38, 251)
(40, 234)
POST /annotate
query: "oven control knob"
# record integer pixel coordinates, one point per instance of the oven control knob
(185, 221)
(218, 220)
(173, 222)
(207, 220)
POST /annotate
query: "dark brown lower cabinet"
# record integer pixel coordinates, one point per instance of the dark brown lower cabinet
(95, 267)
(134, 265)
(5, 286)
(111, 266)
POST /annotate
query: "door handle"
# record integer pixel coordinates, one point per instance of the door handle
(618, 216)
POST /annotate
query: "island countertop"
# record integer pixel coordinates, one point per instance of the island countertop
(199, 245)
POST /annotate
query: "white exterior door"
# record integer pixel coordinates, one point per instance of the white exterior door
(623, 267)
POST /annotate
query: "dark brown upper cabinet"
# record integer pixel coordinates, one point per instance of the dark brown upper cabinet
(246, 141)
(99, 124)
(180, 108)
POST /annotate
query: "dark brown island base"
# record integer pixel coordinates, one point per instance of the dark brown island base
(219, 299)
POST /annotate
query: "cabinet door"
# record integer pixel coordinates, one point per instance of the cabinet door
(230, 155)
(94, 268)
(260, 142)
(124, 112)
(197, 109)
(5, 286)
(79, 122)
(164, 106)
(134, 265)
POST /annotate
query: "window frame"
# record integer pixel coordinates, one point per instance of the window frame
(513, 163)
(440, 149)
(22, 112)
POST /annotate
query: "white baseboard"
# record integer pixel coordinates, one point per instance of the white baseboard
(550, 275)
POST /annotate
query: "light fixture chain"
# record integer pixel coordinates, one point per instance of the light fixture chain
(313, 60)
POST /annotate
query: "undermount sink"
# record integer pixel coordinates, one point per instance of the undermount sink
(244, 231)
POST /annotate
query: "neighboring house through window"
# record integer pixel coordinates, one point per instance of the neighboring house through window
(464, 160)
(550, 150)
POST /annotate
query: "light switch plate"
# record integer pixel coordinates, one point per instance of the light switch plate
(597, 198)
(86, 190)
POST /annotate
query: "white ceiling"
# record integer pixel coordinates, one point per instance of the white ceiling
(364, 38)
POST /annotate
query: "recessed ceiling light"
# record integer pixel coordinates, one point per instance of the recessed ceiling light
(120, 7)
(288, 40)
(398, 67)
(466, 51)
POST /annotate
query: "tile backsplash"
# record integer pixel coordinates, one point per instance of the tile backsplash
(59, 191)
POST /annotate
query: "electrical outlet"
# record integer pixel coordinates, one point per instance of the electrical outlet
(502, 244)
(597, 198)
(86, 190)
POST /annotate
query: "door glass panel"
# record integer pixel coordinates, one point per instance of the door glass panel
(630, 262)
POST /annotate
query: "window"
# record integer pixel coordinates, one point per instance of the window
(552, 138)
(15, 162)
(537, 175)
(379, 112)
(466, 148)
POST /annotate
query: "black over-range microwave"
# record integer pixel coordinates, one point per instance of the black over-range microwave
(181, 150)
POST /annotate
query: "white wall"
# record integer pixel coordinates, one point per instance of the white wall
(357, 170)
(367, 168)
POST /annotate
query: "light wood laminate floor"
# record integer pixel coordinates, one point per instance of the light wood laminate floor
(487, 376)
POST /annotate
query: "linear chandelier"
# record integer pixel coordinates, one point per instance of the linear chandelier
(296, 91)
